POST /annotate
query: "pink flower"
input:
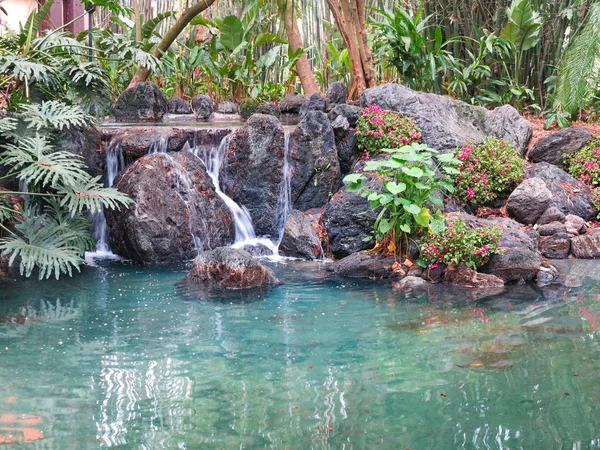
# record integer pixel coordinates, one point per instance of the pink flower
(470, 193)
(433, 266)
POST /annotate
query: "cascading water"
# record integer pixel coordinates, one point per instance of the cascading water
(160, 146)
(284, 203)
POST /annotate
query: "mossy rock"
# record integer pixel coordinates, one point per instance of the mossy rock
(248, 107)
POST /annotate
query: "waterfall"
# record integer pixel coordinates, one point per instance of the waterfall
(284, 203)
(160, 146)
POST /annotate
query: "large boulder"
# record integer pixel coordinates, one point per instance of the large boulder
(270, 108)
(302, 236)
(446, 123)
(144, 102)
(135, 143)
(85, 142)
(203, 106)
(346, 143)
(514, 265)
(176, 213)
(337, 93)
(228, 269)
(529, 200)
(556, 246)
(177, 105)
(292, 103)
(364, 265)
(464, 276)
(316, 102)
(568, 194)
(553, 147)
(351, 112)
(252, 172)
(314, 162)
(586, 246)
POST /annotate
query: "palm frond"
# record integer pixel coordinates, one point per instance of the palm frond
(79, 227)
(58, 40)
(91, 195)
(87, 73)
(54, 114)
(140, 57)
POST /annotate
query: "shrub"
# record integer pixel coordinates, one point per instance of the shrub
(488, 171)
(248, 107)
(459, 244)
(585, 164)
(378, 129)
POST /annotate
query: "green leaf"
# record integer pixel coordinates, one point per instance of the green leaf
(422, 218)
(412, 208)
(232, 32)
(54, 114)
(385, 225)
(415, 172)
(395, 188)
(263, 38)
(523, 25)
(92, 196)
(405, 227)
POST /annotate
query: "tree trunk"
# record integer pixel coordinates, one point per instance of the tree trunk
(307, 77)
(170, 36)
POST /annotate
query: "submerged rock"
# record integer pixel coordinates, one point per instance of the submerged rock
(228, 269)
(143, 103)
(177, 105)
(302, 236)
(514, 265)
(176, 213)
(364, 265)
(553, 147)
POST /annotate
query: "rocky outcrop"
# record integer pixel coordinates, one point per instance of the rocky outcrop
(529, 200)
(252, 171)
(143, 103)
(568, 195)
(176, 211)
(314, 162)
(337, 93)
(203, 106)
(228, 269)
(292, 103)
(553, 147)
(302, 235)
(272, 109)
(552, 214)
(316, 102)
(228, 108)
(350, 112)
(461, 275)
(85, 142)
(136, 143)
(586, 246)
(514, 265)
(446, 123)
(346, 144)
(177, 105)
(556, 246)
(364, 265)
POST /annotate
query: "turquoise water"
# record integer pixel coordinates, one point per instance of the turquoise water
(119, 357)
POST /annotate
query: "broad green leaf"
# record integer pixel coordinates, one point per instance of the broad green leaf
(395, 188)
(415, 172)
(422, 218)
(232, 32)
(412, 208)
(385, 225)
(405, 227)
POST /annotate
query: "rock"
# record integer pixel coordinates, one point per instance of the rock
(271, 109)
(529, 200)
(135, 143)
(177, 211)
(587, 246)
(85, 142)
(257, 250)
(337, 93)
(446, 123)
(143, 103)
(552, 228)
(346, 144)
(553, 147)
(302, 236)
(514, 265)
(252, 172)
(409, 282)
(203, 106)
(350, 112)
(556, 246)
(248, 107)
(314, 162)
(227, 269)
(548, 274)
(228, 108)
(364, 265)
(316, 102)
(177, 105)
(462, 275)
(574, 224)
(552, 214)
(292, 103)
(568, 195)
(434, 275)
(527, 239)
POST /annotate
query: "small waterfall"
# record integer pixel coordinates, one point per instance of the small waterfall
(284, 203)
(160, 146)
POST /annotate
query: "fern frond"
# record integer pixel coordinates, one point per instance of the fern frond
(23, 68)
(140, 57)
(57, 40)
(88, 73)
(78, 226)
(91, 195)
(36, 162)
(7, 124)
(54, 114)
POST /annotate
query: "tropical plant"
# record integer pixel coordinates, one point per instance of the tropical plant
(416, 178)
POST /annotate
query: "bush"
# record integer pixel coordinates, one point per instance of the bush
(378, 129)
(585, 166)
(460, 244)
(248, 107)
(488, 171)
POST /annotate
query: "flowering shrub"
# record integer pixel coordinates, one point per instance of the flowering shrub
(460, 244)
(488, 171)
(585, 166)
(377, 129)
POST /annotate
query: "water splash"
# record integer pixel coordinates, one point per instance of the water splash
(160, 146)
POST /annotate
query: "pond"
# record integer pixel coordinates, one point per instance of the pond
(121, 357)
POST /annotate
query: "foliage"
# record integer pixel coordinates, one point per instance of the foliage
(585, 166)
(458, 243)
(379, 129)
(488, 171)
(415, 179)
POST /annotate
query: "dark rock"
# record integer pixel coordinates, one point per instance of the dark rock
(552, 228)
(462, 275)
(574, 224)
(137, 143)
(587, 246)
(314, 162)
(547, 275)
(177, 105)
(227, 269)
(346, 144)
(292, 103)
(203, 106)
(364, 265)
(177, 210)
(527, 239)
(257, 250)
(435, 274)
(316, 102)
(143, 103)
(552, 214)
(86, 143)
(409, 282)
(529, 200)
(302, 236)
(568, 195)
(248, 107)
(535, 238)
(337, 93)
(228, 108)
(556, 246)
(553, 147)
(350, 112)
(252, 172)
(446, 123)
(272, 109)
(516, 264)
